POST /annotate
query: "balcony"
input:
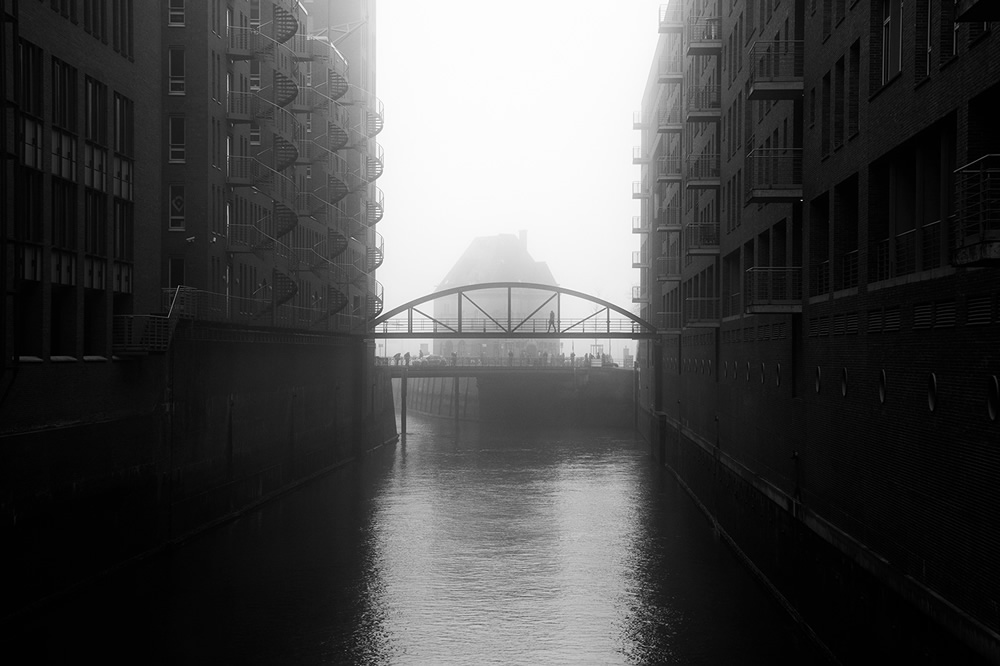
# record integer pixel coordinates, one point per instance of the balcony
(976, 224)
(701, 312)
(966, 11)
(640, 259)
(637, 120)
(669, 218)
(640, 295)
(774, 175)
(670, 69)
(703, 171)
(668, 323)
(773, 290)
(639, 190)
(669, 117)
(671, 18)
(704, 36)
(701, 239)
(668, 169)
(776, 70)
(639, 156)
(704, 104)
(640, 225)
(668, 269)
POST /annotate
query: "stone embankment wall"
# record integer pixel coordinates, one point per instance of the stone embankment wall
(103, 460)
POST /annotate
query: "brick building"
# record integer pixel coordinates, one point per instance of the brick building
(819, 248)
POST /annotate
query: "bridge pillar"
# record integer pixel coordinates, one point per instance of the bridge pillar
(402, 403)
(454, 400)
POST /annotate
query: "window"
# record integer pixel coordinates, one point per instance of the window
(95, 222)
(121, 27)
(124, 125)
(854, 91)
(95, 15)
(175, 13)
(123, 223)
(63, 214)
(175, 70)
(176, 207)
(96, 111)
(176, 139)
(254, 134)
(892, 29)
(63, 95)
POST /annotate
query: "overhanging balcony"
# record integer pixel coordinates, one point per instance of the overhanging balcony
(701, 239)
(670, 69)
(704, 104)
(669, 117)
(703, 171)
(637, 120)
(640, 259)
(639, 190)
(640, 225)
(671, 18)
(669, 218)
(971, 11)
(702, 312)
(640, 295)
(639, 156)
(704, 36)
(976, 223)
(773, 290)
(668, 269)
(776, 70)
(668, 169)
(774, 175)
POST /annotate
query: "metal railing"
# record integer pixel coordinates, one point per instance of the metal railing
(670, 65)
(819, 278)
(669, 217)
(639, 294)
(669, 113)
(701, 236)
(704, 166)
(847, 270)
(773, 169)
(776, 61)
(671, 16)
(704, 310)
(668, 268)
(701, 99)
(704, 30)
(639, 225)
(668, 166)
(977, 204)
(773, 285)
(668, 321)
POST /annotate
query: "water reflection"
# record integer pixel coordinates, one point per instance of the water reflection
(514, 547)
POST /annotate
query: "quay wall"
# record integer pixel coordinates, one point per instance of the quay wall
(103, 461)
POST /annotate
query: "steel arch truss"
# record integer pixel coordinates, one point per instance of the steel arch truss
(510, 310)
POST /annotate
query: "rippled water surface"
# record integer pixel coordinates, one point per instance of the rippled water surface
(458, 547)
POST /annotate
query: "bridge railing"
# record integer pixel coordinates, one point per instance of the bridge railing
(540, 325)
(552, 361)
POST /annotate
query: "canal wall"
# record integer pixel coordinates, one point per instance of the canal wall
(592, 397)
(104, 460)
(853, 601)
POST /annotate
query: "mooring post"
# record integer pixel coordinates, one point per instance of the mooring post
(455, 399)
(402, 401)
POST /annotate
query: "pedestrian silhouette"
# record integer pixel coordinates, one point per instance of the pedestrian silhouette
(552, 322)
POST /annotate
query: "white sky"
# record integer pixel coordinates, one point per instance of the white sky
(501, 116)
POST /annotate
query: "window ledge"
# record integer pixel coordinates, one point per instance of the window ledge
(892, 79)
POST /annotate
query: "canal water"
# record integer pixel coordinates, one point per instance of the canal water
(460, 546)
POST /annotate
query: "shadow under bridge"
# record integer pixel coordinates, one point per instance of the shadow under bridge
(510, 310)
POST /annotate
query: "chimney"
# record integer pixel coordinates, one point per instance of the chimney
(522, 236)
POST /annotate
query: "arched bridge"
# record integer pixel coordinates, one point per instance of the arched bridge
(510, 310)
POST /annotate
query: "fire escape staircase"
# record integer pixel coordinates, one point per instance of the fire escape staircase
(135, 335)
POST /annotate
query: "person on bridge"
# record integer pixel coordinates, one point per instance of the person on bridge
(552, 322)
